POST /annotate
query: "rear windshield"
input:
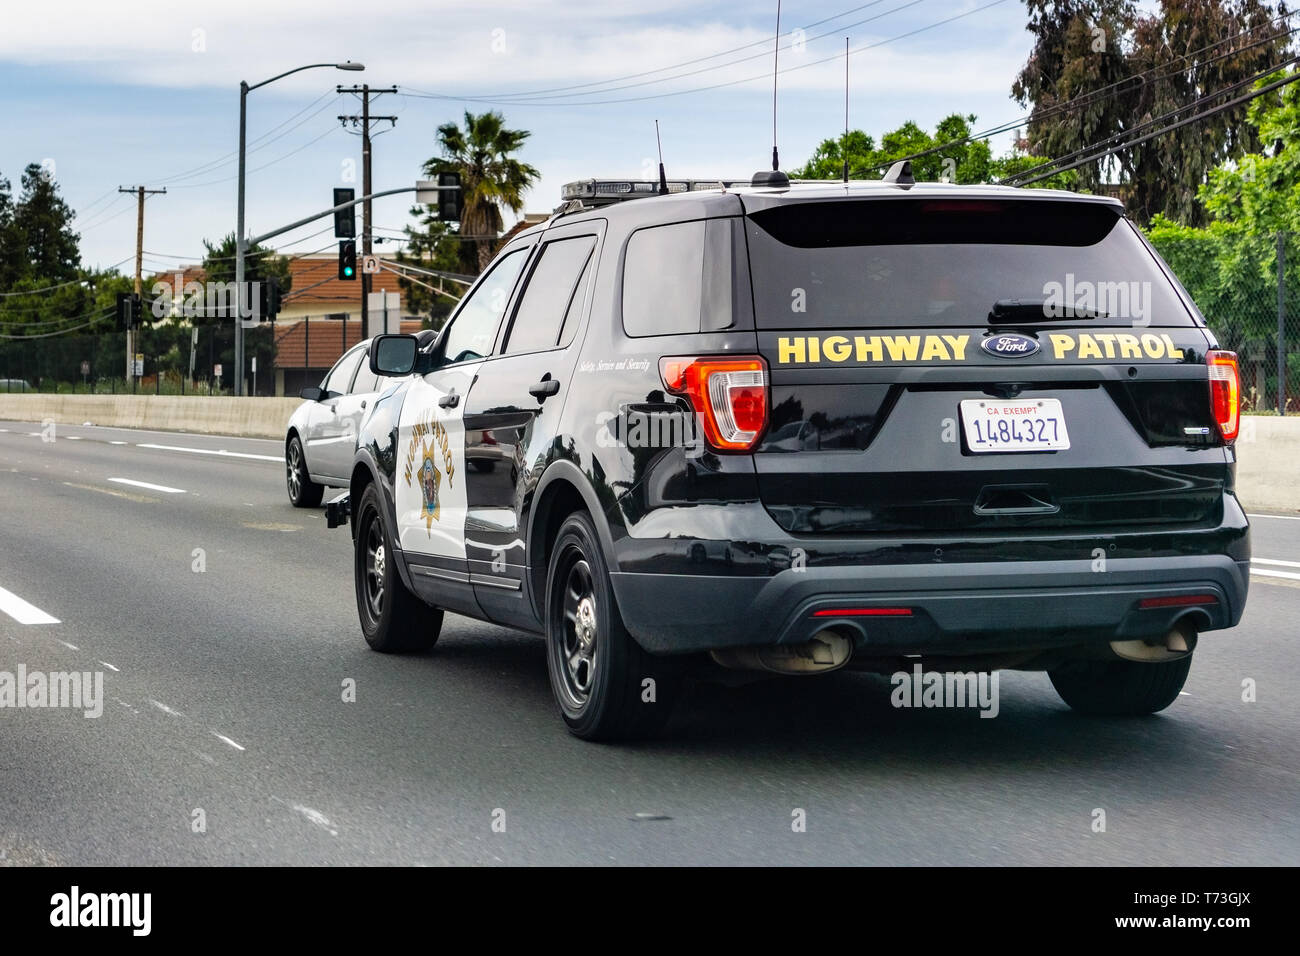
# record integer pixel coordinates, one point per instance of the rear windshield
(933, 263)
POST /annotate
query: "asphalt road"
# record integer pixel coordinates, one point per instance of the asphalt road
(224, 693)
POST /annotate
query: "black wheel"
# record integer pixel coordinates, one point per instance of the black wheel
(483, 466)
(303, 492)
(1120, 688)
(606, 686)
(392, 618)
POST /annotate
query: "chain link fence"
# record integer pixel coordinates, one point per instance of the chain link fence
(1248, 288)
(175, 359)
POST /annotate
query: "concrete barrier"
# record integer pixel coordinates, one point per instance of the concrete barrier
(244, 417)
(1268, 449)
(1268, 463)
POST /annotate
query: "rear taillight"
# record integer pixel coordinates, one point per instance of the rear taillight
(729, 395)
(1225, 392)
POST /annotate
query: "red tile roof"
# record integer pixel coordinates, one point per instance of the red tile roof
(325, 339)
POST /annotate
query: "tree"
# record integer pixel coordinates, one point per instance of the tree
(1229, 266)
(12, 253)
(950, 158)
(43, 223)
(1098, 69)
(491, 178)
(433, 245)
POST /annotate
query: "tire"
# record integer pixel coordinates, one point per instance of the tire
(597, 669)
(1120, 688)
(303, 492)
(484, 466)
(393, 620)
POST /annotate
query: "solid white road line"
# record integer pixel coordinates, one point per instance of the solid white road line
(151, 487)
(21, 611)
(221, 452)
(226, 740)
(1290, 575)
(1281, 564)
(1279, 517)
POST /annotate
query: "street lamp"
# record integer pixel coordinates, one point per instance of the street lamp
(244, 90)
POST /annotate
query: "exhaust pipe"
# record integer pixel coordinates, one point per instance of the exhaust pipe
(824, 652)
(1179, 642)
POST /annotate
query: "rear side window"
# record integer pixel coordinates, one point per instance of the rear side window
(550, 292)
(340, 377)
(684, 278)
(898, 263)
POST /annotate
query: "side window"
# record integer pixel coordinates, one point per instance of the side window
(366, 380)
(574, 313)
(663, 279)
(475, 326)
(549, 294)
(340, 376)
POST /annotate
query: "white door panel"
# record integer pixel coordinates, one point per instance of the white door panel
(429, 485)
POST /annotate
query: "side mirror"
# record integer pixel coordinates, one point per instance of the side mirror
(312, 393)
(394, 355)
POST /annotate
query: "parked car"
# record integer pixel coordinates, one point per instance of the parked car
(15, 385)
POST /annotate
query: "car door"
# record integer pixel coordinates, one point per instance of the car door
(329, 456)
(430, 477)
(513, 412)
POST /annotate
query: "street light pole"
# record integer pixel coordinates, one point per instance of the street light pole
(240, 245)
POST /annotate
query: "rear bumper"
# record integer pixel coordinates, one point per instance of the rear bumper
(957, 608)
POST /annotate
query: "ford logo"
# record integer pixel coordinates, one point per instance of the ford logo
(1010, 345)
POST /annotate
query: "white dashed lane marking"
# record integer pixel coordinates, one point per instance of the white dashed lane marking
(152, 487)
(23, 612)
(220, 452)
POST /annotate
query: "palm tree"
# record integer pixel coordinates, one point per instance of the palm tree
(490, 177)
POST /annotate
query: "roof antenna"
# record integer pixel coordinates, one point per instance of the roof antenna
(775, 177)
(663, 179)
(845, 147)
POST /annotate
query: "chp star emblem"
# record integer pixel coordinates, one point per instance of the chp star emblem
(430, 481)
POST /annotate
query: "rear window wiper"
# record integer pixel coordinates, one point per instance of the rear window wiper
(1032, 311)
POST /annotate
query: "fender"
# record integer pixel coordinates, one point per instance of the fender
(377, 455)
(566, 470)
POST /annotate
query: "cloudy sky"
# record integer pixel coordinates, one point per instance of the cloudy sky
(146, 92)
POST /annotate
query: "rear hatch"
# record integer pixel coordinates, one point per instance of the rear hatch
(969, 364)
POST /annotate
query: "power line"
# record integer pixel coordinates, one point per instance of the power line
(61, 285)
(700, 59)
(1105, 91)
(1101, 151)
(755, 56)
(715, 86)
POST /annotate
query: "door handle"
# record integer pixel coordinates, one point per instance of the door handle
(363, 403)
(450, 400)
(547, 386)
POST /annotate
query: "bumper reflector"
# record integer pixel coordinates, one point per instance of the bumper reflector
(1177, 600)
(864, 612)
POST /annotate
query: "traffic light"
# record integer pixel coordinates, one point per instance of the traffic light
(451, 202)
(345, 220)
(348, 260)
(130, 310)
(270, 298)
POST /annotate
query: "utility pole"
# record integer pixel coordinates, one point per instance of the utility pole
(140, 193)
(365, 119)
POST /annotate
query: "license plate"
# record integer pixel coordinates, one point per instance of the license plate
(1014, 425)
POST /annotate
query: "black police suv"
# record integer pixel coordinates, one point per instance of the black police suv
(799, 427)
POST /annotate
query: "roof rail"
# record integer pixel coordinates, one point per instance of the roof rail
(603, 192)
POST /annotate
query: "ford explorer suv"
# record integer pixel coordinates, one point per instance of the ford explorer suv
(800, 427)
